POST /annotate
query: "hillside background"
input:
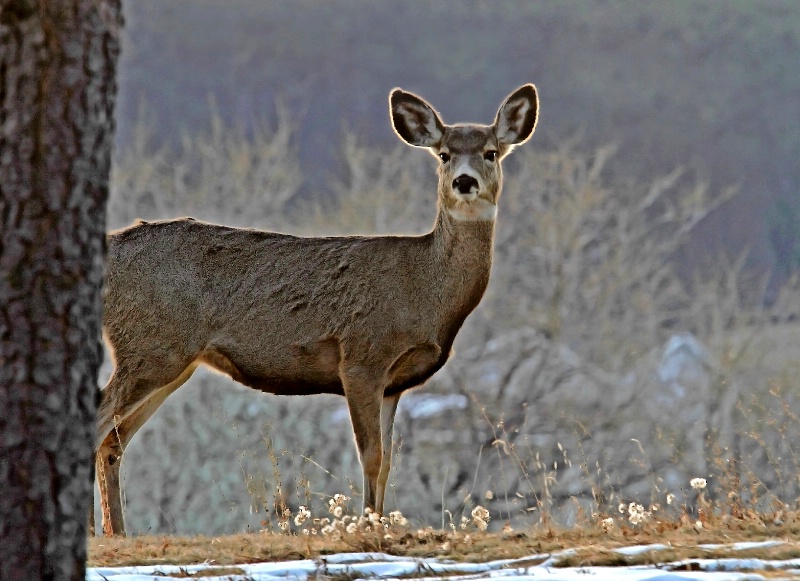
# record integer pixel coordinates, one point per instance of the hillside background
(658, 201)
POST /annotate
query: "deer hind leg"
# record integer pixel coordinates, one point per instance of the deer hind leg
(115, 439)
(388, 410)
(364, 396)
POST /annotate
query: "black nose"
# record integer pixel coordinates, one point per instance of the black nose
(465, 183)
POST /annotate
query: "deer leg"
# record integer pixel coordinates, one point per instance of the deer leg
(388, 410)
(364, 395)
(107, 465)
(91, 509)
(109, 453)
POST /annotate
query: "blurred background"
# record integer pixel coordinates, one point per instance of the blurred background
(640, 328)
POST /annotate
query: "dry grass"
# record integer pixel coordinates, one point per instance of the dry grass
(592, 545)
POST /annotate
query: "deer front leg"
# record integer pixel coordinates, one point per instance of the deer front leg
(364, 396)
(388, 410)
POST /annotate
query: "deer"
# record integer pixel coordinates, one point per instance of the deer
(364, 317)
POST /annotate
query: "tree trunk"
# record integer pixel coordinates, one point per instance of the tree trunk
(57, 92)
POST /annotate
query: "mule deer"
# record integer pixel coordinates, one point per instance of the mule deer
(363, 317)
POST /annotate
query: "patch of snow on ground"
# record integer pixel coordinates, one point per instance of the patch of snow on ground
(381, 566)
(426, 405)
(745, 545)
(639, 549)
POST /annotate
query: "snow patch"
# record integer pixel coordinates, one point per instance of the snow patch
(381, 566)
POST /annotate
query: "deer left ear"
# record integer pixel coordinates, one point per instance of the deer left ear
(414, 120)
(516, 118)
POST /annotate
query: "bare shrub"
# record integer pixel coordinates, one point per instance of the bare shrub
(592, 260)
(377, 192)
(232, 174)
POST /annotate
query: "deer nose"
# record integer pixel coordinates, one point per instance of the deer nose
(465, 183)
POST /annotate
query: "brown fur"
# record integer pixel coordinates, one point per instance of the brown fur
(363, 317)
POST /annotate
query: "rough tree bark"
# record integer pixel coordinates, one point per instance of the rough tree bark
(57, 92)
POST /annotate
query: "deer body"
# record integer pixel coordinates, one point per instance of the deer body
(325, 302)
(363, 317)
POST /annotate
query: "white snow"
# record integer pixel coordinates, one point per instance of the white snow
(416, 405)
(426, 405)
(381, 566)
(745, 545)
(638, 549)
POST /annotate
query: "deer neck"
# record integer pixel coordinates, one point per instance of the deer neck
(463, 253)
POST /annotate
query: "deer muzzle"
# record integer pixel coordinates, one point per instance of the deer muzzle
(464, 184)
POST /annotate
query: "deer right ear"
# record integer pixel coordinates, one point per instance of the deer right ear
(414, 121)
(517, 116)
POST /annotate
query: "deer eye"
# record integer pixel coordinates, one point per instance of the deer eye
(445, 157)
(490, 155)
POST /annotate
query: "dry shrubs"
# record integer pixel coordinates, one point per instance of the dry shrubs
(719, 514)
(233, 175)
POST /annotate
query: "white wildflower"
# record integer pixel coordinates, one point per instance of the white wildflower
(480, 517)
(670, 498)
(637, 514)
(351, 528)
(480, 512)
(336, 505)
(607, 524)
(698, 483)
(396, 518)
(331, 532)
(303, 514)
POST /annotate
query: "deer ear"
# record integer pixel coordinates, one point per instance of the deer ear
(414, 121)
(516, 118)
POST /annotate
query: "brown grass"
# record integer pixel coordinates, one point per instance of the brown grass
(592, 545)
